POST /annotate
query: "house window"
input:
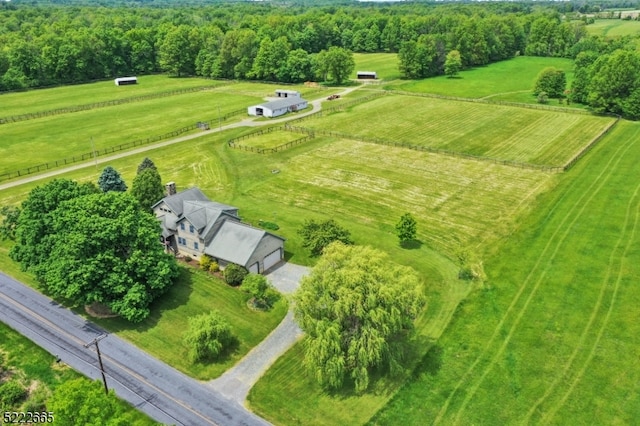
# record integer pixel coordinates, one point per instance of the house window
(182, 241)
(182, 226)
(191, 228)
(195, 245)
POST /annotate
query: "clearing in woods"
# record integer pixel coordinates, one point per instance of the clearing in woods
(541, 137)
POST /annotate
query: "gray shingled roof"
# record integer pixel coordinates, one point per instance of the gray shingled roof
(176, 201)
(235, 242)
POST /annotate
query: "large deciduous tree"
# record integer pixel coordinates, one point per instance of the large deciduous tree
(552, 81)
(93, 248)
(336, 63)
(110, 180)
(615, 84)
(357, 308)
(317, 235)
(34, 231)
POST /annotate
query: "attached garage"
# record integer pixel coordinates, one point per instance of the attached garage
(255, 268)
(272, 259)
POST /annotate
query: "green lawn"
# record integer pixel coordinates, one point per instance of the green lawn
(63, 136)
(499, 80)
(384, 64)
(613, 28)
(83, 94)
(196, 293)
(36, 369)
(270, 140)
(501, 132)
(553, 337)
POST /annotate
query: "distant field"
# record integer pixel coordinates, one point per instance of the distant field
(501, 132)
(63, 136)
(613, 27)
(502, 78)
(36, 100)
(384, 64)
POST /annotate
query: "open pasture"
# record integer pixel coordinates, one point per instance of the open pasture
(524, 135)
(269, 140)
(63, 136)
(458, 202)
(501, 80)
(384, 64)
(37, 100)
(613, 28)
(554, 337)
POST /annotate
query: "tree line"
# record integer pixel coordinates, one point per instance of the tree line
(49, 45)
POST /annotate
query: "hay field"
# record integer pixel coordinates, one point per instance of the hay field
(458, 202)
(524, 135)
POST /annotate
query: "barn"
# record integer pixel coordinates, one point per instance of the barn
(282, 93)
(367, 75)
(278, 107)
(123, 81)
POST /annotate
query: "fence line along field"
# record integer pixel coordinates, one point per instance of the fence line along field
(459, 202)
(31, 101)
(524, 135)
(63, 136)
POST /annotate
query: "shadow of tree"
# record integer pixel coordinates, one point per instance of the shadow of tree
(411, 244)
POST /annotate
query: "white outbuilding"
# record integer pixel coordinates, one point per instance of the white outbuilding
(283, 93)
(123, 81)
(279, 107)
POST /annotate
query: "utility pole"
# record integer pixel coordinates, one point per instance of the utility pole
(95, 342)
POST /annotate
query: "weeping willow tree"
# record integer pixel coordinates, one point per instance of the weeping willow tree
(357, 309)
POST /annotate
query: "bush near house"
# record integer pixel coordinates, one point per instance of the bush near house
(234, 274)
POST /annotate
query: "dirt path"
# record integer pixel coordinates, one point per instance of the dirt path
(247, 122)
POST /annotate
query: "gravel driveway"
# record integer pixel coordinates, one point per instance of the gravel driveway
(236, 382)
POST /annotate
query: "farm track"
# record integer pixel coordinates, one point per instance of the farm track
(552, 244)
(633, 203)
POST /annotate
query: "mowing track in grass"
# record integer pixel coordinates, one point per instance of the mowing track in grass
(566, 224)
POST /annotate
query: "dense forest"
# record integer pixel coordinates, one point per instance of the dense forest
(50, 43)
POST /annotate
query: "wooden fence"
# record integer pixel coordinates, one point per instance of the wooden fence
(233, 143)
(86, 107)
(379, 141)
(89, 155)
(591, 144)
(340, 107)
(502, 103)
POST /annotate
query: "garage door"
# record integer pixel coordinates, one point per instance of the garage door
(254, 269)
(272, 259)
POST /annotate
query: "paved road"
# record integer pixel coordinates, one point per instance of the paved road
(236, 382)
(153, 387)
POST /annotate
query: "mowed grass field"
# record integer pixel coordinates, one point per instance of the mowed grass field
(269, 140)
(553, 338)
(501, 132)
(613, 28)
(510, 80)
(16, 103)
(458, 202)
(384, 64)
